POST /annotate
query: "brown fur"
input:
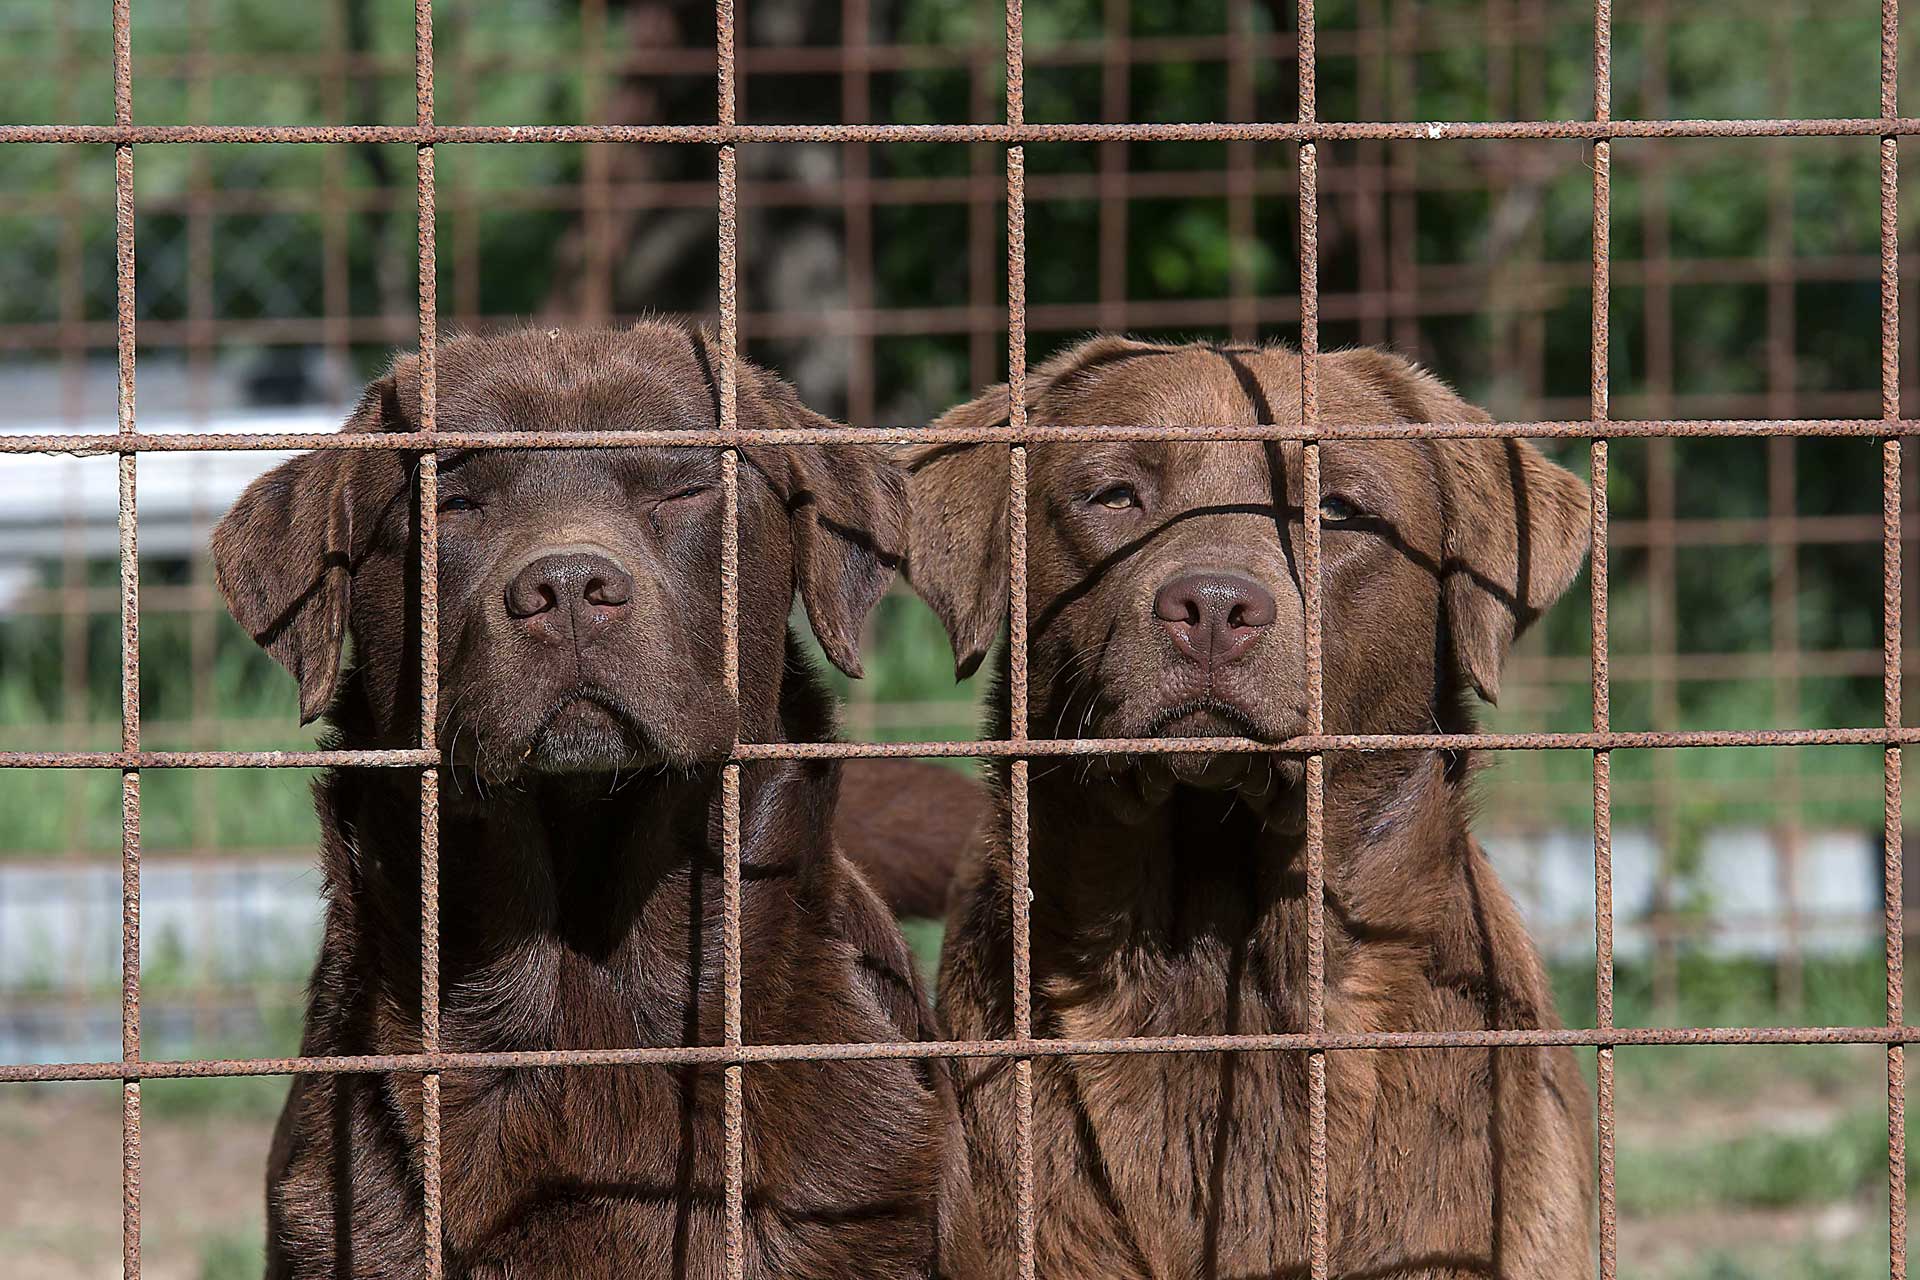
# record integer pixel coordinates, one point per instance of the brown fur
(580, 837)
(906, 825)
(1169, 892)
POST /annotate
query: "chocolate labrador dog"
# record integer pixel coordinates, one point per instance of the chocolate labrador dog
(1164, 595)
(582, 714)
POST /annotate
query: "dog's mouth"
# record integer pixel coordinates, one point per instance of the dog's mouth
(1268, 781)
(1209, 717)
(586, 730)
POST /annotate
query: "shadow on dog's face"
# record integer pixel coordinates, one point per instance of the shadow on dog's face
(579, 589)
(1166, 582)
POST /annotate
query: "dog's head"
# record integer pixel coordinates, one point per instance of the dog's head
(1165, 579)
(579, 590)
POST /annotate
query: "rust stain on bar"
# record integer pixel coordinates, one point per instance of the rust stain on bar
(1043, 1047)
(1891, 633)
(428, 488)
(1026, 1224)
(1312, 588)
(129, 561)
(1602, 693)
(1613, 740)
(728, 196)
(84, 445)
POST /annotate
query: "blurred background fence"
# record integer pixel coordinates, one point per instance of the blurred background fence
(273, 279)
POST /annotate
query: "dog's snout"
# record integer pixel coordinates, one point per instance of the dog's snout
(571, 584)
(1214, 618)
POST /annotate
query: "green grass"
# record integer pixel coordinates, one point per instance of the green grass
(1730, 991)
(1862, 1256)
(232, 1256)
(230, 1098)
(1766, 1170)
(924, 937)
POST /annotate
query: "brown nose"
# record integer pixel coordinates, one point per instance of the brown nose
(563, 593)
(1214, 618)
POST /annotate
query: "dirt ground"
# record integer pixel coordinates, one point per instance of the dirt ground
(205, 1147)
(201, 1187)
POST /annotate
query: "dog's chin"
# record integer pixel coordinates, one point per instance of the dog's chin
(564, 751)
(1270, 783)
(584, 732)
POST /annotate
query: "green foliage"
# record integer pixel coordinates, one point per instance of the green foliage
(1760, 1170)
(237, 1098)
(1717, 201)
(232, 1256)
(1729, 991)
(924, 937)
(1857, 1257)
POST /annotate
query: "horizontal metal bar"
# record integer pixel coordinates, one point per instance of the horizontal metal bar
(404, 758)
(1032, 747)
(83, 445)
(1194, 131)
(1308, 743)
(723, 1055)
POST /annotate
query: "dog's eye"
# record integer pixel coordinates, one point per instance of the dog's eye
(1335, 509)
(1116, 497)
(689, 491)
(458, 502)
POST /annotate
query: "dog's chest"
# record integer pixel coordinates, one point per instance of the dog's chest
(544, 1134)
(585, 1172)
(633, 1156)
(1173, 1165)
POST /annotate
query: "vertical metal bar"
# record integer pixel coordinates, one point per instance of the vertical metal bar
(129, 647)
(1403, 31)
(856, 210)
(1660, 526)
(73, 604)
(1372, 164)
(1891, 628)
(204, 603)
(1783, 549)
(596, 294)
(1602, 692)
(1243, 310)
(983, 193)
(734, 1119)
(204, 600)
(1024, 1190)
(1783, 542)
(1317, 1190)
(336, 305)
(1017, 651)
(429, 495)
(856, 213)
(1116, 74)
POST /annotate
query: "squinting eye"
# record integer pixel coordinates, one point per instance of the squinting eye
(458, 503)
(1335, 509)
(1117, 497)
(691, 491)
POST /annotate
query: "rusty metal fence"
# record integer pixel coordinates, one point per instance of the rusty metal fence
(726, 134)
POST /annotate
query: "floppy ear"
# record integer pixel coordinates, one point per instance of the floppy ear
(957, 532)
(957, 547)
(283, 555)
(1517, 526)
(847, 507)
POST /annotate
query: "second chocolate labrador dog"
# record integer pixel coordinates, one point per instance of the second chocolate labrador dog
(581, 718)
(1165, 600)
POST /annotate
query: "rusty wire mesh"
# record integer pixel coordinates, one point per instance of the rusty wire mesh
(725, 135)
